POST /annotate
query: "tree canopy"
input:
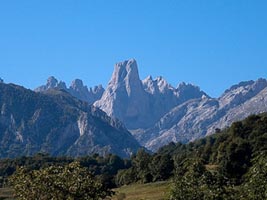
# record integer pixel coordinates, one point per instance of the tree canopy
(71, 182)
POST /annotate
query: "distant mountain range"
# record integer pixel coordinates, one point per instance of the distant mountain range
(155, 112)
(76, 89)
(57, 123)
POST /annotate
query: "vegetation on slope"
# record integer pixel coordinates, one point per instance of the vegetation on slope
(231, 164)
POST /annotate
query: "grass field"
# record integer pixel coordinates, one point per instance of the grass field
(153, 191)
(6, 193)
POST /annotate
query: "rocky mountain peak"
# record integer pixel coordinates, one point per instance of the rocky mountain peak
(139, 104)
(149, 78)
(51, 82)
(239, 93)
(125, 78)
(77, 83)
(97, 89)
(1, 80)
(163, 84)
(159, 85)
(125, 97)
(186, 86)
(62, 85)
(76, 89)
(261, 83)
(126, 73)
(150, 85)
(189, 91)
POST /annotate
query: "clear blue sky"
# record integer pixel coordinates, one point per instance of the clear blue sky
(211, 43)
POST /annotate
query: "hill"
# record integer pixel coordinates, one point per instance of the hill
(55, 122)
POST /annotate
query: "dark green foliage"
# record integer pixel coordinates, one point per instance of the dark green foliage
(255, 185)
(227, 156)
(161, 167)
(193, 181)
(228, 165)
(147, 168)
(141, 166)
(126, 177)
(70, 182)
(105, 168)
(233, 163)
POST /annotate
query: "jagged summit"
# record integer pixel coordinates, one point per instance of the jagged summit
(241, 92)
(198, 117)
(260, 83)
(159, 85)
(125, 97)
(77, 83)
(139, 104)
(51, 83)
(126, 77)
(126, 69)
(76, 89)
(158, 113)
(96, 89)
(1, 80)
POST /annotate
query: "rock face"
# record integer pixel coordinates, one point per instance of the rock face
(51, 83)
(200, 117)
(57, 123)
(158, 113)
(163, 97)
(77, 89)
(125, 97)
(139, 104)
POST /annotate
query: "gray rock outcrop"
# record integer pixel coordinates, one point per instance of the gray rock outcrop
(140, 104)
(200, 117)
(125, 97)
(76, 89)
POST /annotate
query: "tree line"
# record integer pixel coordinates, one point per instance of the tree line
(231, 164)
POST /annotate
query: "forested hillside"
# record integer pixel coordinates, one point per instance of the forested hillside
(231, 164)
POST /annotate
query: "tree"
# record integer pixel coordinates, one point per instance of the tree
(187, 182)
(236, 160)
(161, 167)
(141, 165)
(125, 177)
(71, 182)
(256, 179)
(195, 182)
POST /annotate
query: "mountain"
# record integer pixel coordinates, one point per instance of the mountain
(157, 113)
(76, 89)
(57, 123)
(125, 98)
(201, 117)
(140, 104)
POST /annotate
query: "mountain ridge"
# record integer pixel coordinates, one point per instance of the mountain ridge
(157, 113)
(76, 89)
(57, 123)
